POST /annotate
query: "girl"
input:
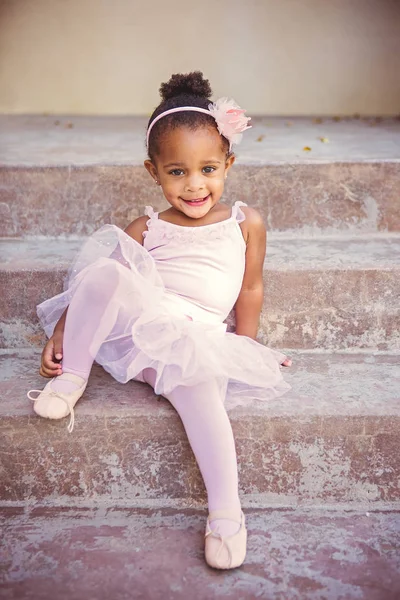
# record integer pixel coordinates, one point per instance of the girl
(149, 303)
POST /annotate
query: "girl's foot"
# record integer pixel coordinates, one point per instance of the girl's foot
(225, 551)
(58, 398)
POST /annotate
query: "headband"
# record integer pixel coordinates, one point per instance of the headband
(229, 117)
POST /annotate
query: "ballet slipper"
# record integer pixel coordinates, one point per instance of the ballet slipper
(225, 552)
(46, 405)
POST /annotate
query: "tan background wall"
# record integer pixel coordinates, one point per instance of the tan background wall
(273, 56)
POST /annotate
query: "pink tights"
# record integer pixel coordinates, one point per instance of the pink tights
(200, 408)
(210, 435)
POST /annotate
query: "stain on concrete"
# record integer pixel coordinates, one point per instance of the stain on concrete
(292, 555)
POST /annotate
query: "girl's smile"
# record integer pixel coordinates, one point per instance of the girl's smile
(191, 167)
(197, 201)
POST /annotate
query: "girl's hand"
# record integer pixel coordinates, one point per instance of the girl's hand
(51, 356)
(287, 362)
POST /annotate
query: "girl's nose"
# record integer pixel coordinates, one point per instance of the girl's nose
(194, 183)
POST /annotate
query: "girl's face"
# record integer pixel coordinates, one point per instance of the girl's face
(191, 168)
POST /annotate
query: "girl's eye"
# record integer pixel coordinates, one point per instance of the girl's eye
(209, 169)
(176, 172)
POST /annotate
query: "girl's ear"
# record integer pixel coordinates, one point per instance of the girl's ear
(151, 169)
(229, 162)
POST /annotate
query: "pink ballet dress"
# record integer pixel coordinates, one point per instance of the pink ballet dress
(167, 309)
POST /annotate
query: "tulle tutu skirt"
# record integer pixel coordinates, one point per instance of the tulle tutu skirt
(146, 326)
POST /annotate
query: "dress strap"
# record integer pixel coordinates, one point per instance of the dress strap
(150, 212)
(237, 213)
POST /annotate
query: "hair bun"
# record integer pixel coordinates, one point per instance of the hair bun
(191, 84)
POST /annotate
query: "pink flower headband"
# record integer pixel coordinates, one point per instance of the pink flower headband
(229, 117)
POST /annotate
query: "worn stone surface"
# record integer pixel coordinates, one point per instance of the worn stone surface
(307, 198)
(284, 252)
(55, 180)
(331, 439)
(330, 293)
(331, 309)
(126, 553)
(34, 140)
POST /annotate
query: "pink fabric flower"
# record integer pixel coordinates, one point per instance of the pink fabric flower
(230, 119)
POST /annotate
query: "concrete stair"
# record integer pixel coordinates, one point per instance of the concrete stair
(330, 440)
(347, 290)
(74, 176)
(125, 484)
(97, 553)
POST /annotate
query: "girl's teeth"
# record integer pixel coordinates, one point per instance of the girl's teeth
(197, 201)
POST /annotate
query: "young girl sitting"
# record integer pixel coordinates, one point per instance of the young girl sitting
(149, 303)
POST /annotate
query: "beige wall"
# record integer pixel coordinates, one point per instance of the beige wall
(273, 56)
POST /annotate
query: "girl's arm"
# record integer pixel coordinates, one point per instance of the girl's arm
(249, 303)
(60, 326)
(136, 228)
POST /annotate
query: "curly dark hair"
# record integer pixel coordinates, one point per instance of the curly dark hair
(182, 90)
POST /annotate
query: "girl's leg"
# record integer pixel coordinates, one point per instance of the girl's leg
(88, 313)
(209, 431)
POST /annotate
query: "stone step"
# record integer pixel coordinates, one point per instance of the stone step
(332, 439)
(61, 175)
(322, 292)
(102, 553)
